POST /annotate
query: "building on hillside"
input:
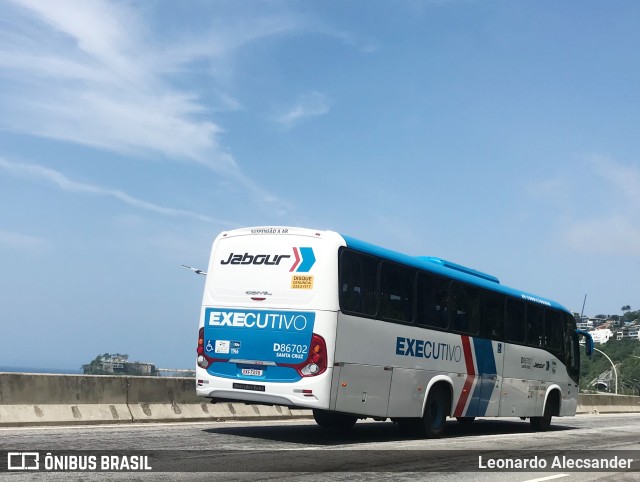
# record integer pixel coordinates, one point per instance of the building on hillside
(628, 333)
(584, 324)
(601, 335)
(600, 322)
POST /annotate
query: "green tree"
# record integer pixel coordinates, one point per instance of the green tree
(623, 353)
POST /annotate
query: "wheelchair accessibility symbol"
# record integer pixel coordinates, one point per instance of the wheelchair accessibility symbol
(209, 346)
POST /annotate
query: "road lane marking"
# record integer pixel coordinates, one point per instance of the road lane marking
(551, 477)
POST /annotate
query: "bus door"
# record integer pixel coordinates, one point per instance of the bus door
(485, 401)
(516, 400)
(489, 354)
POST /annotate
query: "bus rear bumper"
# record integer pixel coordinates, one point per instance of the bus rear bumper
(219, 396)
(312, 395)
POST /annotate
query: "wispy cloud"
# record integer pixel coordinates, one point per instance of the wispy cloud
(113, 76)
(34, 171)
(309, 105)
(617, 230)
(616, 235)
(550, 189)
(95, 79)
(95, 73)
(14, 240)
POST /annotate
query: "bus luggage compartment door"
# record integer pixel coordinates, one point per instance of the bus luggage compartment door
(363, 389)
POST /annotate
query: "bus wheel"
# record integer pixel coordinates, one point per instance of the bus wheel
(334, 420)
(435, 414)
(465, 420)
(542, 424)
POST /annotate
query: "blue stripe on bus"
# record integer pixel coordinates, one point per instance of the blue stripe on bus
(473, 410)
(486, 362)
(484, 356)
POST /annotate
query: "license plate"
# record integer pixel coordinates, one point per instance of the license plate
(252, 372)
(246, 386)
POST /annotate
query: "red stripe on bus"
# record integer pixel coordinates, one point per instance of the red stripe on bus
(468, 383)
(468, 356)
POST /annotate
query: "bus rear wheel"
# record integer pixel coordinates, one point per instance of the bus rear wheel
(334, 420)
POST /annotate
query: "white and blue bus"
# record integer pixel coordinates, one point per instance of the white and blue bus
(314, 319)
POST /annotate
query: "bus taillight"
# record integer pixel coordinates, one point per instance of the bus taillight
(202, 360)
(201, 341)
(317, 360)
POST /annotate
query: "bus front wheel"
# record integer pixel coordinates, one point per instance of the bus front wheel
(542, 424)
(333, 420)
(435, 414)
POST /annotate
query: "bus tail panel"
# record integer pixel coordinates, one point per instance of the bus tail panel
(250, 344)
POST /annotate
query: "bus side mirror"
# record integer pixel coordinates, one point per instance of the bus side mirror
(588, 342)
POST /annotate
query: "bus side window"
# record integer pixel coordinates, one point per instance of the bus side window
(571, 348)
(553, 329)
(396, 292)
(370, 283)
(515, 320)
(464, 309)
(433, 300)
(535, 325)
(492, 315)
(350, 286)
(358, 281)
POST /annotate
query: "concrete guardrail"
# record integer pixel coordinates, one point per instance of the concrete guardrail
(607, 403)
(43, 399)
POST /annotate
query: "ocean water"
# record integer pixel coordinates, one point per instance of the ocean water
(63, 371)
(75, 371)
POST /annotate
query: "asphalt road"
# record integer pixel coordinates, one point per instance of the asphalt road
(300, 450)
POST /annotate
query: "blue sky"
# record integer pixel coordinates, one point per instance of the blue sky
(500, 135)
